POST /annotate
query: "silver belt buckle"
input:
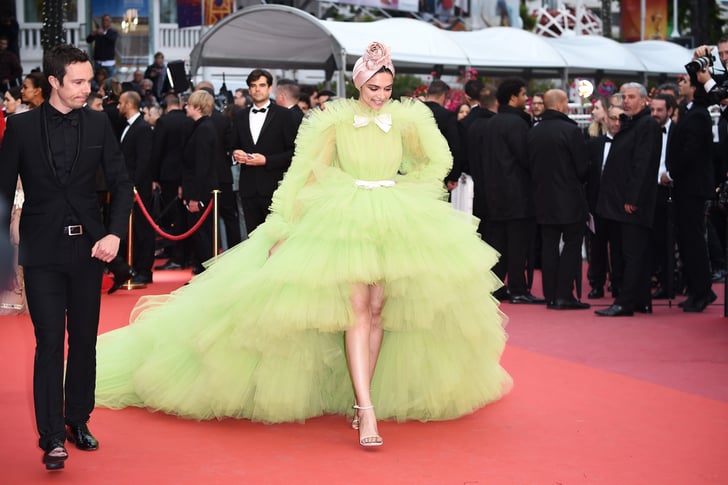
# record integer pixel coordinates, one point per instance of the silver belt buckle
(76, 230)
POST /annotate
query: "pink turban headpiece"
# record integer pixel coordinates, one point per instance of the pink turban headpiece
(375, 57)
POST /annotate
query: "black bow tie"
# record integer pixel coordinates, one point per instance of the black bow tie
(59, 118)
(261, 110)
(608, 140)
(664, 130)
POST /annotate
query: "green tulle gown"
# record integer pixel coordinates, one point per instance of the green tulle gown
(263, 338)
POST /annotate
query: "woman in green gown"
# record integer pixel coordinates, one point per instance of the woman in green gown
(362, 287)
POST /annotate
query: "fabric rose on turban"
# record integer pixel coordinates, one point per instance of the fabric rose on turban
(375, 57)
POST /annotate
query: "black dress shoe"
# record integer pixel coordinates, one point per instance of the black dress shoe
(643, 308)
(55, 455)
(698, 304)
(596, 293)
(80, 436)
(197, 269)
(121, 275)
(502, 294)
(660, 294)
(142, 279)
(689, 301)
(169, 265)
(561, 304)
(527, 298)
(615, 311)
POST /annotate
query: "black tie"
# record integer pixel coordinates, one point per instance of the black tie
(261, 110)
(607, 140)
(664, 130)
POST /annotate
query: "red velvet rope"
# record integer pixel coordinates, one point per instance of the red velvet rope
(172, 237)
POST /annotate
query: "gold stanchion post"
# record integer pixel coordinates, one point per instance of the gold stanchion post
(130, 285)
(215, 224)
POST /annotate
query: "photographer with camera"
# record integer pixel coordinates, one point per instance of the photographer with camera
(690, 164)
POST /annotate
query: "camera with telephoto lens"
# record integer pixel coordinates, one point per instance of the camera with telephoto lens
(700, 64)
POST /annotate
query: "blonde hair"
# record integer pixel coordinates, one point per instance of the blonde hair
(203, 100)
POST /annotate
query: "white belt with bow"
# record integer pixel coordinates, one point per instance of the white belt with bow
(373, 184)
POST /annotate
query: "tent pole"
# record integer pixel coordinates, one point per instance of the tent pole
(341, 82)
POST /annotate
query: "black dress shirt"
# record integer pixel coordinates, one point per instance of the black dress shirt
(63, 133)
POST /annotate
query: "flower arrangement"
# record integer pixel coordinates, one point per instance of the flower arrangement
(606, 89)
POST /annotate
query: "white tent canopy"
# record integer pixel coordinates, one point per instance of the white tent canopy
(277, 36)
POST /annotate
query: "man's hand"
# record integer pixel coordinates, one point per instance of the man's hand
(194, 206)
(106, 248)
(702, 51)
(665, 180)
(452, 185)
(630, 209)
(255, 159)
(703, 76)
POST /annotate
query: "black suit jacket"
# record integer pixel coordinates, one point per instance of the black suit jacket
(630, 174)
(276, 142)
(559, 165)
(25, 151)
(447, 123)
(199, 174)
(137, 149)
(690, 149)
(170, 134)
(595, 151)
(223, 128)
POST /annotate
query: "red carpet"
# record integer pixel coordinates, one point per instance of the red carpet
(640, 400)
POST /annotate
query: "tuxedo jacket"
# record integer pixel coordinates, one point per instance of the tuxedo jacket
(223, 128)
(276, 142)
(137, 149)
(26, 152)
(595, 151)
(690, 153)
(168, 145)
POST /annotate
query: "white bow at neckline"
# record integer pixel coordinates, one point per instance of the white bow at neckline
(383, 121)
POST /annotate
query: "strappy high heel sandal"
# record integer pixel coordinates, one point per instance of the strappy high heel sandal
(369, 440)
(355, 420)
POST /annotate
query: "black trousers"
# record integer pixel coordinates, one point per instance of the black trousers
(202, 238)
(228, 211)
(690, 221)
(143, 238)
(255, 210)
(64, 297)
(175, 221)
(662, 249)
(560, 268)
(635, 291)
(511, 239)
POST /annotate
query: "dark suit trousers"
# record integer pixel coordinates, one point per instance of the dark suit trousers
(635, 291)
(65, 296)
(143, 238)
(175, 220)
(202, 238)
(560, 270)
(690, 221)
(255, 210)
(511, 239)
(229, 213)
(661, 249)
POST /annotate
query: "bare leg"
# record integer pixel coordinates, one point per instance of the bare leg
(363, 341)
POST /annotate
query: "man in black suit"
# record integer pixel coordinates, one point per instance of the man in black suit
(472, 140)
(605, 253)
(136, 145)
(690, 165)
(227, 203)
(199, 177)
(508, 213)
(57, 150)
(559, 166)
(167, 152)
(627, 197)
(662, 108)
(288, 93)
(447, 123)
(264, 136)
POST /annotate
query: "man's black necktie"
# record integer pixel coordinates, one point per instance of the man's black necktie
(261, 110)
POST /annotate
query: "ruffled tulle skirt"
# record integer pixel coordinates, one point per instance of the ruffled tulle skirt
(263, 338)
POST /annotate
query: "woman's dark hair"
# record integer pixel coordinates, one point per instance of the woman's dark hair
(40, 80)
(15, 93)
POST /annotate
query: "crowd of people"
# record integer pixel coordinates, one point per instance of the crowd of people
(358, 284)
